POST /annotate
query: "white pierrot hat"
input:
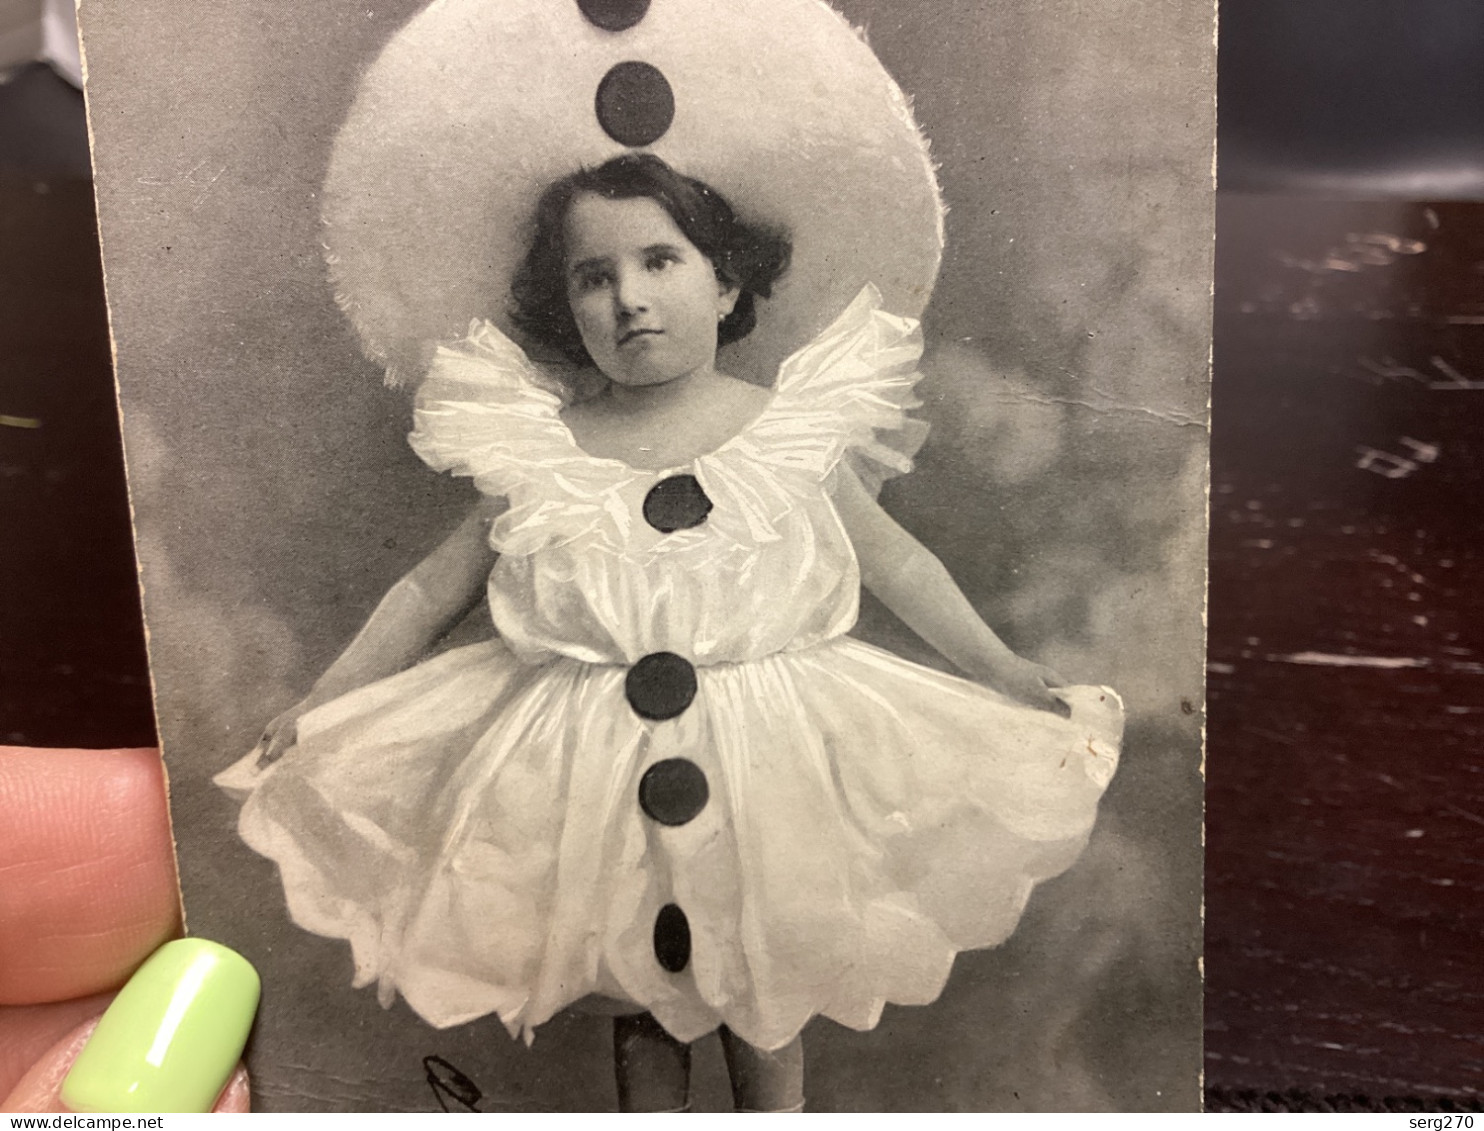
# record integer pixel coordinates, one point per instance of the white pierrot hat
(475, 106)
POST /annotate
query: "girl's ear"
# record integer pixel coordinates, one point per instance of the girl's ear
(726, 299)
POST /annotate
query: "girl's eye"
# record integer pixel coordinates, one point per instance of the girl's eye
(592, 280)
(659, 260)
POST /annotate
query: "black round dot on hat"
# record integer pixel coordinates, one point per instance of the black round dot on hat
(614, 15)
(660, 686)
(674, 791)
(676, 503)
(635, 104)
(672, 938)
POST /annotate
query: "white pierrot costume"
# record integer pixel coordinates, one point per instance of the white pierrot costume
(672, 779)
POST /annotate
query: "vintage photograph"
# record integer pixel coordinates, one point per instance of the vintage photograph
(673, 538)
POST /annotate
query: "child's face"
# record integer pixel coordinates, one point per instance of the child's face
(646, 301)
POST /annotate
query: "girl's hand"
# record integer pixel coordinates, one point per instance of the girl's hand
(1030, 683)
(282, 733)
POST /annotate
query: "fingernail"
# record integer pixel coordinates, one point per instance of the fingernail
(172, 1037)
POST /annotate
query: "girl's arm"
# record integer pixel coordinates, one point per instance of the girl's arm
(911, 582)
(426, 603)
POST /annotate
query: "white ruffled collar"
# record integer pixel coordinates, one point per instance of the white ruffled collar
(486, 410)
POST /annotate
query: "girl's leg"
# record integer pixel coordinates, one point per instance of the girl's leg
(653, 1067)
(765, 1081)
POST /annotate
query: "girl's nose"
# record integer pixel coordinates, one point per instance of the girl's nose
(630, 295)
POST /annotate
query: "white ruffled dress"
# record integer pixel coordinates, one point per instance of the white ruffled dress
(481, 828)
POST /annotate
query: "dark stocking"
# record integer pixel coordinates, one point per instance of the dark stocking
(653, 1067)
(765, 1081)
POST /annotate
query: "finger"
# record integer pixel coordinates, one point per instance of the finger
(1049, 702)
(88, 870)
(27, 1031)
(273, 749)
(236, 1097)
(1038, 695)
(40, 1089)
(1051, 676)
(170, 1040)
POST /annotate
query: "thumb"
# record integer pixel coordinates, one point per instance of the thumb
(170, 1042)
(1048, 700)
(40, 1089)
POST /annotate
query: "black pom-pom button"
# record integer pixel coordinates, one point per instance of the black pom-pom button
(635, 104)
(660, 686)
(674, 791)
(614, 15)
(672, 938)
(676, 503)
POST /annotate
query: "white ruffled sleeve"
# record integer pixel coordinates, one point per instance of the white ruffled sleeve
(484, 411)
(847, 396)
(481, 413)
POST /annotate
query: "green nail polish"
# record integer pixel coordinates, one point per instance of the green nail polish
(172, 1036)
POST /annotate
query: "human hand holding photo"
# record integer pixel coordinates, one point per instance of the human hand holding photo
(88, 893)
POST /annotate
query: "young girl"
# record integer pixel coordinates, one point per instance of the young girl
(672, 782)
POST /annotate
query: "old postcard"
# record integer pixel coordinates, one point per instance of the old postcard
(672, 535)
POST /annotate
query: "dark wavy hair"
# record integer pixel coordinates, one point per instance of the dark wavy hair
(744, 256)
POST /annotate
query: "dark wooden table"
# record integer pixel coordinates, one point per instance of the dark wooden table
(1345, 801)
(1345, 930)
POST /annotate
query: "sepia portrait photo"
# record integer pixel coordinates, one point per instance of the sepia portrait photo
(672, 535)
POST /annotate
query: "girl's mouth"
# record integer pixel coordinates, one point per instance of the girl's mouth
(633, 335)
